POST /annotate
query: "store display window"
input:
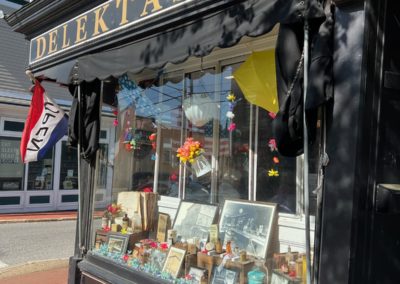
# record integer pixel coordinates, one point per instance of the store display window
(11, 168)
(40, 173)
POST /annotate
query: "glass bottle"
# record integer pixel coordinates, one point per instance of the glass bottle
(218, 246)
(137, 222)
(125, 222)
(228, 247)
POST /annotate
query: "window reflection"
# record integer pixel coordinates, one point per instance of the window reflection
(11, 167)
(40, 173)
(69, 168)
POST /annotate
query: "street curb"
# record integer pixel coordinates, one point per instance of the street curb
(33, 266)
(36, 220)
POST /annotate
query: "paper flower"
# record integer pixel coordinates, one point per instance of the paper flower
(115, 123)
(164, 246)
(275, 160)
(231, 97)
(272, 145)
(273, 173)
(230, 115)
(272, 115)
(232, 126)
(125, 258)
(190, 150)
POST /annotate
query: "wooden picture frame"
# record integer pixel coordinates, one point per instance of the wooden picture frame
(163, 225)
(248, 225)
(174, 261)
(193, 220)
(222, 275)
(117, 243)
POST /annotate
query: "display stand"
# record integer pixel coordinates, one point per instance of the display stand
(208, 262)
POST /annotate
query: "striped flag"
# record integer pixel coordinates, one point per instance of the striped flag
(45, 125)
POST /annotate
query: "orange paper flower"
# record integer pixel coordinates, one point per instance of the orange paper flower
(190, 150)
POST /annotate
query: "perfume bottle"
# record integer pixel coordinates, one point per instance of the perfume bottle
(137, 222)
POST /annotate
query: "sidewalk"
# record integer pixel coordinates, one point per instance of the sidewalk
(41, 216)
(40, 272)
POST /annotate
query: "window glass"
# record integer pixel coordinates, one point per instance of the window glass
(14, 126)
(169, 131)
(233, 152)
(40, 173)
(11, 167)
(200, 108)
(102, 166)
(276, 174)
(69, 167)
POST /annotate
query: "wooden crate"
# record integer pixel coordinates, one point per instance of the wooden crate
(133, 238)
(206, 261)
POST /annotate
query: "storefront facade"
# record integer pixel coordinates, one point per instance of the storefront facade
(182, 58)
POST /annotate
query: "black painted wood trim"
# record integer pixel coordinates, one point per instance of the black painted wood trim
(112, 272)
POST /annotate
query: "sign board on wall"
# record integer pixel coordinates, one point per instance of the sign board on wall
(109, 17)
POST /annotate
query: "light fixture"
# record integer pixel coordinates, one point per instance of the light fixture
(199, 109)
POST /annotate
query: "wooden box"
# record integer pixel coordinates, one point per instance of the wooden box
(101, 236)
(206, 261)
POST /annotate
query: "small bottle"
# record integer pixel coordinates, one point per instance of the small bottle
(137, 222)
(125, 222)
(218, 246)
(228, 247)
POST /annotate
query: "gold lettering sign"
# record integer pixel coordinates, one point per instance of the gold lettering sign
(156, 6)
(81, 32)
(40, 46)
(65, 42)
(124, 18)
(99, 21)
(111, 16)
(53, 41)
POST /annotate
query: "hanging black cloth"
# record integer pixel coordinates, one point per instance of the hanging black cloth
(288, 124)
(90, 119)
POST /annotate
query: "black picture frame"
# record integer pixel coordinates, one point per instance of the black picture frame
(193, 219)
(249, 225)
(222, 275)
(117, 243)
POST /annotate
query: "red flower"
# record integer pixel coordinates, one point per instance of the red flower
(153, 245)
(152, 137)
(164, 246)
(188, 277)
(276, 160)
(125, 257)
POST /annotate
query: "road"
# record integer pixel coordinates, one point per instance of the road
(26, 242)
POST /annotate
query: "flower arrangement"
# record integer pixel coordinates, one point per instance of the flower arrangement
(190, 150)
(231, 98)
(112, 210)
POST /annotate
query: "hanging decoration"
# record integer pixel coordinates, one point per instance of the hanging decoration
(256, 78)
(115, 122)
(192, 151)
(229, 114)
(272, 147)
(199, 109)
(153, 140)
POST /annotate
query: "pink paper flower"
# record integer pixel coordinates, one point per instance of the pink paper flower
(272, 144)
(164, 246)
(115, 123)
(125, 257)
(232, 126)
(272, 115)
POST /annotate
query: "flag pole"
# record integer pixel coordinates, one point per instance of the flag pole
(305, 134)
(30, 76)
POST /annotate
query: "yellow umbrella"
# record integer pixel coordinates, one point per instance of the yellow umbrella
(256, 78)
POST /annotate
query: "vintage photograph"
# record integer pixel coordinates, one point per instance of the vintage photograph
(247, 225)
(194, 220)
(174, 261)
(221, 275)
(117, 243)
(196, 273)
(162, 227)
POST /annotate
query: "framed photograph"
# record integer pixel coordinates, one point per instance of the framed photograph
(174, 261)
(117, 243)
(247, 225)
(222, 275)
(197, 273)
(162, 227)
(193, 220)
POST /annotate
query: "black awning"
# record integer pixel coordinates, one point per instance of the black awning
(198, 38)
